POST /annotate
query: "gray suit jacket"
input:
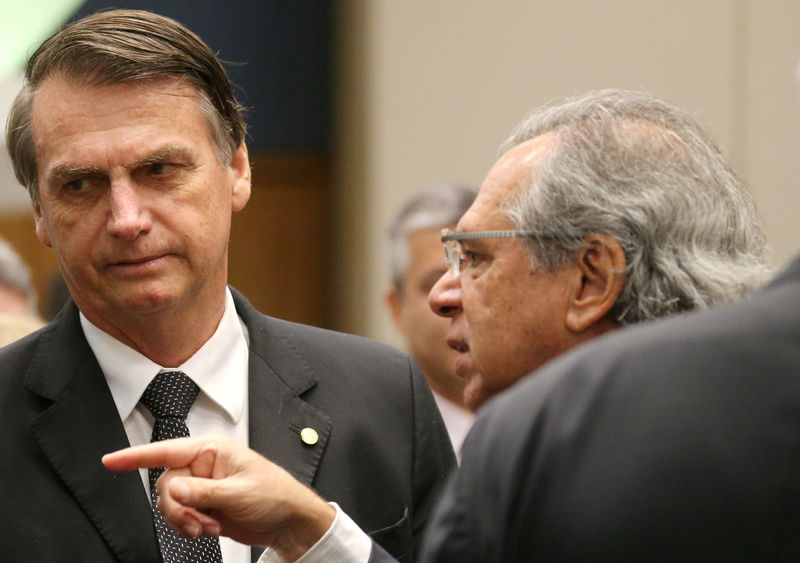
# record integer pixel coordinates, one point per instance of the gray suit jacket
(676, 441)
(382, 452)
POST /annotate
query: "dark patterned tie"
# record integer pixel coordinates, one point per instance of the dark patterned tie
(169, 397)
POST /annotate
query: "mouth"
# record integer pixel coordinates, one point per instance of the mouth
(458, 345)
(138, 265)
(462, 365)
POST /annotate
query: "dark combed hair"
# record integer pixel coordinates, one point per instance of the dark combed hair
(120, 46)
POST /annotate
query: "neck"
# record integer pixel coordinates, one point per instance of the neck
(454, 394)
(168, 337)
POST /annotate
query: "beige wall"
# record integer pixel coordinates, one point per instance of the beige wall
(429, 89)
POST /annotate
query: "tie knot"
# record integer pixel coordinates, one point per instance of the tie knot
(170, 395)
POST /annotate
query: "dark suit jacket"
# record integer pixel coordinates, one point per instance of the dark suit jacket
(676, 441)
(382, 451)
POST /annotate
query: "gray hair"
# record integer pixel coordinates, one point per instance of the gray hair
(644, 172)
(438, 206)
(120, 46)
(14, 273)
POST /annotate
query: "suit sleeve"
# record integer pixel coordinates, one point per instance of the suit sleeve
(434, 459)
(454, 530)
(472, 516)
(378, 555)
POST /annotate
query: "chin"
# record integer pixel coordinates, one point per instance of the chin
(474, 396)
(149, 302)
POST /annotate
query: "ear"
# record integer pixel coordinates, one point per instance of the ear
(41, 231)
(394, 301)
(240, 166)
(599, 281)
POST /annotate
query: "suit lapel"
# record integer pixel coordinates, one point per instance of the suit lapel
(277, 414)
(279, 376)
(277, 419)
(79, 427)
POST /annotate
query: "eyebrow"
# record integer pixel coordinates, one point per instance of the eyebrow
(68, 170)
(162, 154)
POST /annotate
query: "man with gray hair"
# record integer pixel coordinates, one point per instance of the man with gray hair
(416, 261)
(604, 210)
(673, 442)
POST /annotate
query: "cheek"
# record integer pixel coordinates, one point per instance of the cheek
(211, 217)
(63, 234)
(482, 308)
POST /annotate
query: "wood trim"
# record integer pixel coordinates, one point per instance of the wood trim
(278, 243)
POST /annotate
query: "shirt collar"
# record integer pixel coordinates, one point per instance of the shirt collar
(212, 367)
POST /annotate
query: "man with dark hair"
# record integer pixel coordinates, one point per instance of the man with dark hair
(131, 146)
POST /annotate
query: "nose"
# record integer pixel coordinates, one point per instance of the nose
(445, 296)
(128, 215)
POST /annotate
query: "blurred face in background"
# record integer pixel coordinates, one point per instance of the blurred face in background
(425, 332)
(13, 302)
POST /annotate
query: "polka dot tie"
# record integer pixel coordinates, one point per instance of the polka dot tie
(168, 398)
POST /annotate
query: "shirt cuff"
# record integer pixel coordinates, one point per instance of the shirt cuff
(343, 542)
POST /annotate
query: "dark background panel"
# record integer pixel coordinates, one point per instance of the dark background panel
(278, 55)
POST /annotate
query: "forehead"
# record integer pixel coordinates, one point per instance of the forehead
(65, 108)
(511, 173)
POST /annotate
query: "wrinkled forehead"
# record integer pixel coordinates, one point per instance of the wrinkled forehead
(513, 172)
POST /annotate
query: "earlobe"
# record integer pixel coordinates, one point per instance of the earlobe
(240, 190)
(600, 279)
(41, 231)
(395, 303)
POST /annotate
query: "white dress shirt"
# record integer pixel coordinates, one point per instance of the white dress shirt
(343, 542)
(457, 420)
(219, 368)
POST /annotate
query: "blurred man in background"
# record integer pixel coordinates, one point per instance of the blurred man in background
(17, 294)
(417, 261)
(18, 315)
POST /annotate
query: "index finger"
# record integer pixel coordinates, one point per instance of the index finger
(178, 452)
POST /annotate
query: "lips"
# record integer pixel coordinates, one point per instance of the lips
(458, 345)
(136, 261)
(137, 265)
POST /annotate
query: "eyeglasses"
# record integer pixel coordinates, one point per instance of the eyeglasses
(456, 260)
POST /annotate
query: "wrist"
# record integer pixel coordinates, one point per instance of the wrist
(310, 522)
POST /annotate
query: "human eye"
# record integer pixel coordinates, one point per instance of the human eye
(81, 186)
(160, 168)
(157, 172)
(76, 185)
(469, 259)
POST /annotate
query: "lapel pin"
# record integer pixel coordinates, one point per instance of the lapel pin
(309, 436)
